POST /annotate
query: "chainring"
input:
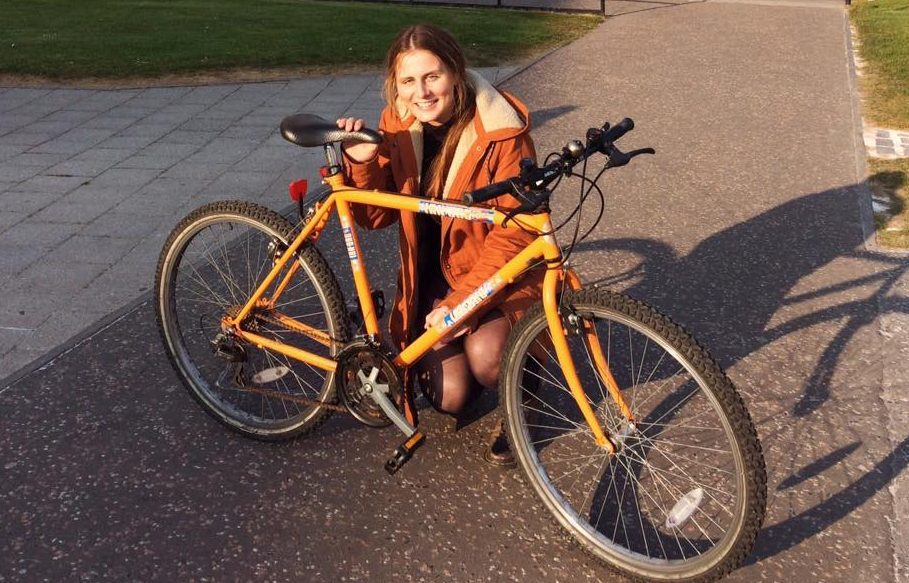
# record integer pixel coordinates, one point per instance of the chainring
(361, 363)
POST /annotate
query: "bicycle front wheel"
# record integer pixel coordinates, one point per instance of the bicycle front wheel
(684, 496)
(211, 264)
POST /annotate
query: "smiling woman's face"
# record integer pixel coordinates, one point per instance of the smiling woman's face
(425, 84)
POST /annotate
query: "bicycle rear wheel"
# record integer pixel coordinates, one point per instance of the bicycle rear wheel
(210, 265)
(684, 496)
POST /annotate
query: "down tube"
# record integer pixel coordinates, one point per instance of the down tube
(485, 292)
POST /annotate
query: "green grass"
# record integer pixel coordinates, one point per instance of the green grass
(883, 27)
(883, 30)
(117, 39)
(890, 179)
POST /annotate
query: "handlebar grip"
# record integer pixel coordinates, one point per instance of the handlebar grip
(487, 192)
(617, 131)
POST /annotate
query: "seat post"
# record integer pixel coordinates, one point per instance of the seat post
(331, 155)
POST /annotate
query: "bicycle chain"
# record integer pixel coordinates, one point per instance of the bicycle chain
(296, 399)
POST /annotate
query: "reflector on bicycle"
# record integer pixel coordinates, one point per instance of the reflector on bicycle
(297, 190)
(270, 375)
(684, 508)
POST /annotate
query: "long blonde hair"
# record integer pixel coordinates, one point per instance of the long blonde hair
(441, 44)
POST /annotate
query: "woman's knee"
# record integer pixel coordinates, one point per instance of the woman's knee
(484, 362)
(485, 349)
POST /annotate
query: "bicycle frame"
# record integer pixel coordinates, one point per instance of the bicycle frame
(543, 247)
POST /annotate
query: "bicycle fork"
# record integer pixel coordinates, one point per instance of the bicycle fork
(559, 334)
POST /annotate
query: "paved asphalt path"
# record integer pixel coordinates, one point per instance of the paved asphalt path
(748, 227)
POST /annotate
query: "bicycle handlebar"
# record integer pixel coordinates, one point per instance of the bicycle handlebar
(488, 192)
(617, 131)
(532, 177)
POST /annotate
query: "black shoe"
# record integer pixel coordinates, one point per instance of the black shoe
(498, 453)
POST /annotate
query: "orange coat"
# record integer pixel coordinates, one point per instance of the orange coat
(489, 151)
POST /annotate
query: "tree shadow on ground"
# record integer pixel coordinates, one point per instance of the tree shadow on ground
(733, 286)
(736, 281)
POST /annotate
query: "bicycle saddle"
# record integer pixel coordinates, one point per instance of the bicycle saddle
(307, 130)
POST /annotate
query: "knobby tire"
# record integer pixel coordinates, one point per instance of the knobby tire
(210, 265)
(684, 497)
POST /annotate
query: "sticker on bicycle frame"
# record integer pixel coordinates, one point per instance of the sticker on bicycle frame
(348, 240)
(456, 211)
(486, 289)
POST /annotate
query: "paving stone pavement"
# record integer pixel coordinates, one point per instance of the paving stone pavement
(885, 143)
(92, 181)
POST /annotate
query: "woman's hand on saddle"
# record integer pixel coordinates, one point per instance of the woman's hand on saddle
(356, 151)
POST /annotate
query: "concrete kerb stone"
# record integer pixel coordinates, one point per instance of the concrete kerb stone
(861, 134)
(48, 358)
(886, 143)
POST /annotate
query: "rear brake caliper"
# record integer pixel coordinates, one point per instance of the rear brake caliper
(276, 249)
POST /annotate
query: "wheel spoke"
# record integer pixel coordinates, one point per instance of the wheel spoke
(215, 261)
(671, 498)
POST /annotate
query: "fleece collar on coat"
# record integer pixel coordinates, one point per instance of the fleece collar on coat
(497, 118)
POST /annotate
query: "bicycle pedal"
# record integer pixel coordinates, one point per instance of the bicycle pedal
(404, 452)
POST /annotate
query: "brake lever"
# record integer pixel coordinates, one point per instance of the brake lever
(619, 158)
(634, 153)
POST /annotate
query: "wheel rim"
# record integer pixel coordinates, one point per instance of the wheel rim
(672, 501)
(210, 269)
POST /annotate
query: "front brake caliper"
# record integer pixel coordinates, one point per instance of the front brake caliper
(572, 323)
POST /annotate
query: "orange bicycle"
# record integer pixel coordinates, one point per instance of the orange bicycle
(627, 430)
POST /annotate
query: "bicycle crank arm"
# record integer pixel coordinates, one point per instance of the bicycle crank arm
(403, 452)
(382, 400)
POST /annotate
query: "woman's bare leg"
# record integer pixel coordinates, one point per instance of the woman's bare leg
(445, 378)
(453, 373)
(485, 348)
